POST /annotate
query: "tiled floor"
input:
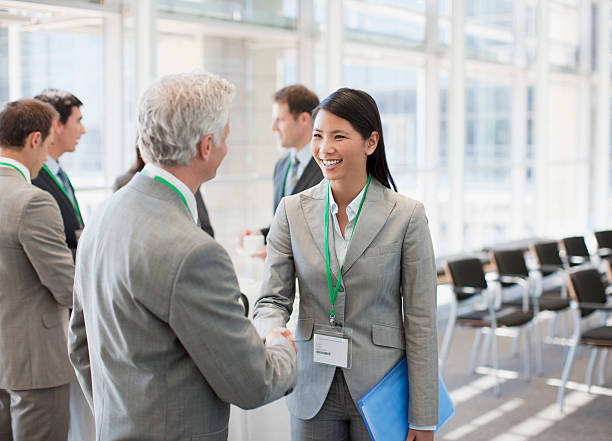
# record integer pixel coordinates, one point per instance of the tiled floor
(525, 410)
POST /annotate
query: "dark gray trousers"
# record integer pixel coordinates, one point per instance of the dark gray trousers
(338, 420)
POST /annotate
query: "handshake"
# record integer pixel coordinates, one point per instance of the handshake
(273, 334)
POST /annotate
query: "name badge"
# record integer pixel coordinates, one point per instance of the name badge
(332, 346)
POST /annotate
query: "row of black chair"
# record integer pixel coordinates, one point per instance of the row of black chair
(468, 281)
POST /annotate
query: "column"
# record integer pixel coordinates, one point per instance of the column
(117, 155)
(541, 119)
(519, 122)
(335, 43)
(456, 132)
(601, 166)
(306, 29)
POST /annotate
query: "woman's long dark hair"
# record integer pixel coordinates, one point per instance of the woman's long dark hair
(360, 109)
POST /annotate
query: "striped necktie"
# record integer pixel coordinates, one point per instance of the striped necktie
(63, 177)
(293, 175)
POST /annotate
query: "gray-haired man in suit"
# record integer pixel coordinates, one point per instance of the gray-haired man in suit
(36, 274)
(167, 345)
(297, 170)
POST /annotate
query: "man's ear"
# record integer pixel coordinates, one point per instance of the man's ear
(372, 143)
(58, 127)
(305, 118)
(33, 140)
(205, 146)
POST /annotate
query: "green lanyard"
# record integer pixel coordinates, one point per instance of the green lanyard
(16, 168)
(74, 202)
(333, 292)
(171, 187)
(286, 174)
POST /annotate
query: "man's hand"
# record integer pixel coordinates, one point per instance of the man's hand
(275, 333)
(420, 435)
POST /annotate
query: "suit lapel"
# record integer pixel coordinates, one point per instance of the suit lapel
(373, 216)
(312, 175)
(279, 180)
(55, 189)
(313, 208)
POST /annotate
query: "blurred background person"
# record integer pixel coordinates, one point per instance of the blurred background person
(297, 170)
(52, 177)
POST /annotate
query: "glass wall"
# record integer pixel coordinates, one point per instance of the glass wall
(512, 163)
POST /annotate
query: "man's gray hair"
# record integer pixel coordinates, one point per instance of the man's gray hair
(177, 111)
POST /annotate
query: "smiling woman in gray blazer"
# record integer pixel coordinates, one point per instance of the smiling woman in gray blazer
(363, 258)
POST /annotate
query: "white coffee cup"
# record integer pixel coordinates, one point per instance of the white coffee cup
(253, 243)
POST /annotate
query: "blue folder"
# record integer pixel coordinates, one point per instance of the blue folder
(385, 407)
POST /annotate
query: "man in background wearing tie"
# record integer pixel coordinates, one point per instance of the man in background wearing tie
(297, 170)
(36, 278)
(52, 177)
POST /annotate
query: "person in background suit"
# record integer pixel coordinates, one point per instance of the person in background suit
(167, 347)
(52, 177)
(363, 257)
(201, 207)
(297, 170)
(37, 273)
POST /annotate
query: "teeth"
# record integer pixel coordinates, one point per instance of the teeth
(329, 163)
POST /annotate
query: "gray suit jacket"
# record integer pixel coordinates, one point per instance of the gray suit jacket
(36, 277)
(389, 268)
(167, 345)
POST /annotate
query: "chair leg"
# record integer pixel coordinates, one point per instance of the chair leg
(566, 320)
(552, 326)
(495, 362)
(590, 367)
(567, 368)
(448, 334)
(527, 351)
(602, 366)
(475, 346)
(538, 348)
(515, 343)
(486, 349)
(603, 358)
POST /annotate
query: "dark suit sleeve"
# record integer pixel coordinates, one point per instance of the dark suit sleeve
(208, 318)
(41, 234)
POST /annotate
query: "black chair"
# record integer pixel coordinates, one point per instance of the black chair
(468, 280)
(548, 257)
(588, 294)
(513, 271)
(604, 242)
(576, 251)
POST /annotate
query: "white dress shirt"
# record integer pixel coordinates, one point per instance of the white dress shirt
(152, 170)
(17, 164)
